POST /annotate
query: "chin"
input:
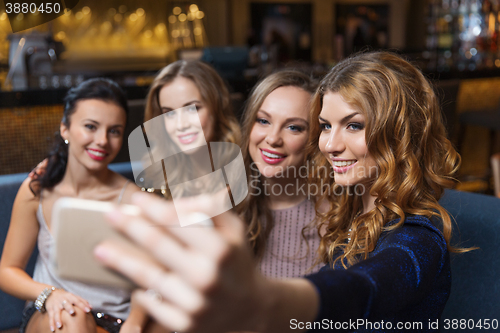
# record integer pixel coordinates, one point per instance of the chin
(268, 171)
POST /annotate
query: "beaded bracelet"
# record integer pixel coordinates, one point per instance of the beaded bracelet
(40, 300)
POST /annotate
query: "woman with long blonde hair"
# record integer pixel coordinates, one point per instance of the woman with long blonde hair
(386, 239)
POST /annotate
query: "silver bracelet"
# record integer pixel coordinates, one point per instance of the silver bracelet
(40, 300)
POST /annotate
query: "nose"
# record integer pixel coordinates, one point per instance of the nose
(335, 144)
(273, 137)
(102, 138)
(182, 121)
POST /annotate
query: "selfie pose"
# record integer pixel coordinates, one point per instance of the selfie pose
(91, 134)
(376, 124)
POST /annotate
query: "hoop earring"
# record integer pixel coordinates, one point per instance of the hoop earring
(66, 141)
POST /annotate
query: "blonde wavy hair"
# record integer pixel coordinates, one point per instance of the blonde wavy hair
(255, 208)
(406, 137)
(215, 96)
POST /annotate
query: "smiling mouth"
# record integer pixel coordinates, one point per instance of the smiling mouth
(341, 164)
(96, 154)
(187, 138)
(270, 155)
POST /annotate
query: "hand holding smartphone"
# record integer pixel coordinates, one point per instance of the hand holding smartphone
(78, 226)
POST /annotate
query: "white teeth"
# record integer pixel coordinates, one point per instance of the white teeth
(267, 154)
(340, 164)
(187, 137)
(97, 153)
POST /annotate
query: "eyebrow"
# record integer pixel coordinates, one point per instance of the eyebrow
(343, 120)
(96, 122)
(288, 120)
(186, 104)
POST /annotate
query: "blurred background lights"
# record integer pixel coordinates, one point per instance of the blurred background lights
(177, 10)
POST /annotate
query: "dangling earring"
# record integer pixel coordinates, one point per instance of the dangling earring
(66, 141)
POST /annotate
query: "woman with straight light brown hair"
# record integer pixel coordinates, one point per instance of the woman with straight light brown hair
(180, 85)
(207, 91)
(279, 209)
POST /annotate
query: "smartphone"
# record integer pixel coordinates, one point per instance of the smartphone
(79, 225)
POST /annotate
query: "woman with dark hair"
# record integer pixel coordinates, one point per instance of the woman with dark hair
(91, 134)
(385, 238)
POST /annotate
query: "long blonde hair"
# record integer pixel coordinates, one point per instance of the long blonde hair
(406, 137)
(214, 93)
(255, 208)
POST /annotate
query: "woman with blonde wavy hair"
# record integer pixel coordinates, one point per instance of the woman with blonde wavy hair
(380, 129)
(386, 239)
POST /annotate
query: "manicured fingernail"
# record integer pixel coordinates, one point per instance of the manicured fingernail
(52, 328)
(87, 309)
(71, 312)
(58, 325)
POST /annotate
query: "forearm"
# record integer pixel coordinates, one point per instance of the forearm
(137, 318)
(284, 301)
(18, 283)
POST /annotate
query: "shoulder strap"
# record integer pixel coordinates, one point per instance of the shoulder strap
(123, 191)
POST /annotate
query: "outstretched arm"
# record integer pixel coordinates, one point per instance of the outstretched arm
(204, 279)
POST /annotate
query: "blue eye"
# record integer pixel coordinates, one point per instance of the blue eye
(262, 121)
(170, 114)
(196, 108)
(325, 127)
(355, 126)
(296, 128)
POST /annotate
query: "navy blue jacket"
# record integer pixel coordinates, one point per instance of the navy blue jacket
(402, 287)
